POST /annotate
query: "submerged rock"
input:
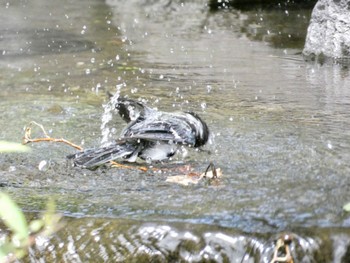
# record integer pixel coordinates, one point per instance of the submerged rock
(328, 34)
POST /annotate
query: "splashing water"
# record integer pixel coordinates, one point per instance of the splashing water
(106, 130)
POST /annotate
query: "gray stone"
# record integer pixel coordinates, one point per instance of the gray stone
(328, 34)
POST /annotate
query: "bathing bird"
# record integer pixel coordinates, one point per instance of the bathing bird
(149, 134)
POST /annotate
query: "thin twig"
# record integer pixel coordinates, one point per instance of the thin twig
(28, 139)
(119, 165)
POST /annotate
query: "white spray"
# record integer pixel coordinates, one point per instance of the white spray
(106, 129)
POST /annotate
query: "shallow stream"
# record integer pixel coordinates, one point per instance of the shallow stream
(280, 130)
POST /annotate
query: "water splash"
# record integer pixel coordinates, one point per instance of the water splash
(106, 129)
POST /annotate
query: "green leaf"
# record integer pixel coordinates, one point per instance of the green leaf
(346, 207)
(36, 225)
(20, 253)
(12, 147)
(50, 219)
(5, 250)
(13, 217)
(3, 255)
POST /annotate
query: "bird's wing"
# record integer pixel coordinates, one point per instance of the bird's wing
(95, 157)
(174, 131)
(130, 110)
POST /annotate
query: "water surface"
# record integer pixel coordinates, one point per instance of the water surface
(280, 126)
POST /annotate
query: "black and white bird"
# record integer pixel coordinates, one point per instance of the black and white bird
(150, 134)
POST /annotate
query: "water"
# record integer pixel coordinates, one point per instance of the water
(280, 126)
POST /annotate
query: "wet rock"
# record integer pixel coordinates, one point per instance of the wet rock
(119, 240)
(252, 4)
(329, 31)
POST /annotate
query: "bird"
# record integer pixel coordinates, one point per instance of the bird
(149, 134)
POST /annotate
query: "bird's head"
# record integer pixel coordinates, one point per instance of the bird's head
(200, 129)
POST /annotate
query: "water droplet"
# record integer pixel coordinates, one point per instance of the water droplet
(209, 88)
(12, 168)
(184, 152)
(98, 86)
(329, 145)
(42, 164)
(203, 105)
(117, 57)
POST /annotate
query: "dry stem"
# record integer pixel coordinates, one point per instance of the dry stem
(28, 139)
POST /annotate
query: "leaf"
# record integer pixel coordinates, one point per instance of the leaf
(184, 179)
(192, 178)
(36, 225)
(346, 207)
(3, 255)
(13, 217)
(6, 147)
(50, 219)
(5, 251)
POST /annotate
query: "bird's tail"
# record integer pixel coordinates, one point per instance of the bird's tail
(94, 157)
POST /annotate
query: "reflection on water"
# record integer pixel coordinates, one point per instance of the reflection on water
(280, 126)
(41, 42)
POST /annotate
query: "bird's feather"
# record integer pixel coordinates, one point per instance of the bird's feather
(95, 157)
(149, 134)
